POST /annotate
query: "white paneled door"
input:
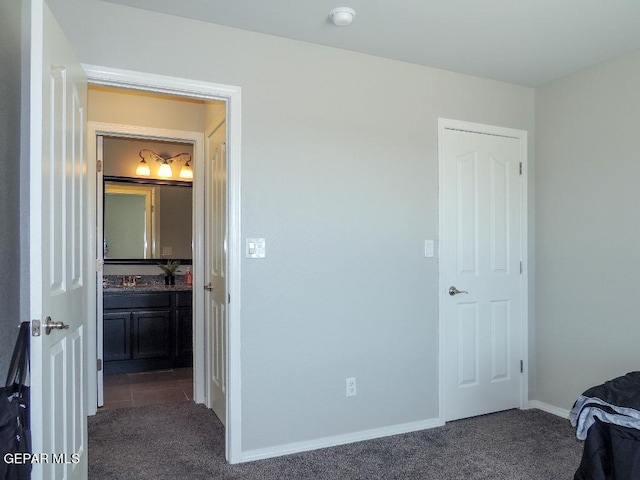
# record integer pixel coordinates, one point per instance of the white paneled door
(58, 242)
(481, 253)
(216, 313)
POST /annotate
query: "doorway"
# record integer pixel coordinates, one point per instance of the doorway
(231, 96)
(145, 224)
(483, 283)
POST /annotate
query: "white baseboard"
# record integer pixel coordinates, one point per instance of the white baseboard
(288, 449)
(545, 407)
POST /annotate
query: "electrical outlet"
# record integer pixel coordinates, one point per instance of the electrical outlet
(351, 387)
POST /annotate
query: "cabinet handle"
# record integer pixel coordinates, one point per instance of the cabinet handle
(208, 287)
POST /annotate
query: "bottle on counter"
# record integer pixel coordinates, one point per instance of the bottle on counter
(188, 276)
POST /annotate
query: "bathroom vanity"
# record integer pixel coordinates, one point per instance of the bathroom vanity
(147, 328)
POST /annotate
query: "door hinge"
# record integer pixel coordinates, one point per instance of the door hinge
(520, 168)
(99, 364)
(35, 328)
(521, 366)
(521, 267)
(99, 165)
(228, 298)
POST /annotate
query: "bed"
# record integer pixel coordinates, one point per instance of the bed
(607, 417)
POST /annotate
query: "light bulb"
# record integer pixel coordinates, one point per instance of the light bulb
(186, 171)
(165, 171)
(143, 169)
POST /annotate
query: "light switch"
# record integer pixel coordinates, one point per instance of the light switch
(429, 248)
(256, 248)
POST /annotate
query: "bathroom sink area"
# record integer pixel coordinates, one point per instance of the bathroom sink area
(143, 283)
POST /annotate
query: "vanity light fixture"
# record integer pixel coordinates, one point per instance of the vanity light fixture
(342, 16)
(165, 170)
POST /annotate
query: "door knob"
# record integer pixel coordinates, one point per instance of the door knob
(208, 287)
(454, 291)
(50, 325)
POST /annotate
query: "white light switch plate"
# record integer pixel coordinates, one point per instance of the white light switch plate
(429, 248)
(256, 248)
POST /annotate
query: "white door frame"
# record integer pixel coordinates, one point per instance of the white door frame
(521, 135)
(94, 187)
(111, 77)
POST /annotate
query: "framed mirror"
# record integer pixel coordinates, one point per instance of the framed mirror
(147, 220)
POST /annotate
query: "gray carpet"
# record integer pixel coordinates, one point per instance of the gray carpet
(186, 441)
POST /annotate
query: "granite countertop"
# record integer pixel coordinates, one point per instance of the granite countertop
(143, 284)
(147, 288)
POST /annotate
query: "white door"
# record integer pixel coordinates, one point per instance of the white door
(58, 243)
(216, 268)
(481, 253)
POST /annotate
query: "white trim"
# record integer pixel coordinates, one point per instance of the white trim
(35, 218)
(546, 407)
(521, 135)
(290, 448)
(232, 95)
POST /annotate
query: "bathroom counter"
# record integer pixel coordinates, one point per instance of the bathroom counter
(143, 284)
(183, 287)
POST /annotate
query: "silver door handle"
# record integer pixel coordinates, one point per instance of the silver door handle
(454, 291)
(209, 287)
(50, 325)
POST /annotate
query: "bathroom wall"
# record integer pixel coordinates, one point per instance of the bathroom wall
(122, 156)
(108, 105)
(145, 109)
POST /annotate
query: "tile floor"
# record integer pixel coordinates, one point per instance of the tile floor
(148, 388)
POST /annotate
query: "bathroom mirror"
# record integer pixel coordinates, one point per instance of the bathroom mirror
(147, 220)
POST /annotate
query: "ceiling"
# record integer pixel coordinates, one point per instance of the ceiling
(526, 42)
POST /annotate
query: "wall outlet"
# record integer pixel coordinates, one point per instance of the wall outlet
(351, 387)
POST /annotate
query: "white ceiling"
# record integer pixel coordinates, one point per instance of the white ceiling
(526, 42)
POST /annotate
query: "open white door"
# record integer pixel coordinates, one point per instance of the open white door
(482, 281)
(216, 268)
(58, 243)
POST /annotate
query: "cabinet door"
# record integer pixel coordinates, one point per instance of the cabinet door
(184, 334)
(117, 336)
(152, 334)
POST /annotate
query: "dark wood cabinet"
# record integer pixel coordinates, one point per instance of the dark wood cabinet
(117, 335)
(147, 331)
(184, 329)
(151, 334)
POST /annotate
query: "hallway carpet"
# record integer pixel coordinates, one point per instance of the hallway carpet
(186, 441)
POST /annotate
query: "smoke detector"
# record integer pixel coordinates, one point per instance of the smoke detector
(342, 16)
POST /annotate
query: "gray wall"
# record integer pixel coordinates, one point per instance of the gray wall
(339, 174)
(10, 110)
(587, 233)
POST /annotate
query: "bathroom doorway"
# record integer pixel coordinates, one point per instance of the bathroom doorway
(207, 91)
(148, 339)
